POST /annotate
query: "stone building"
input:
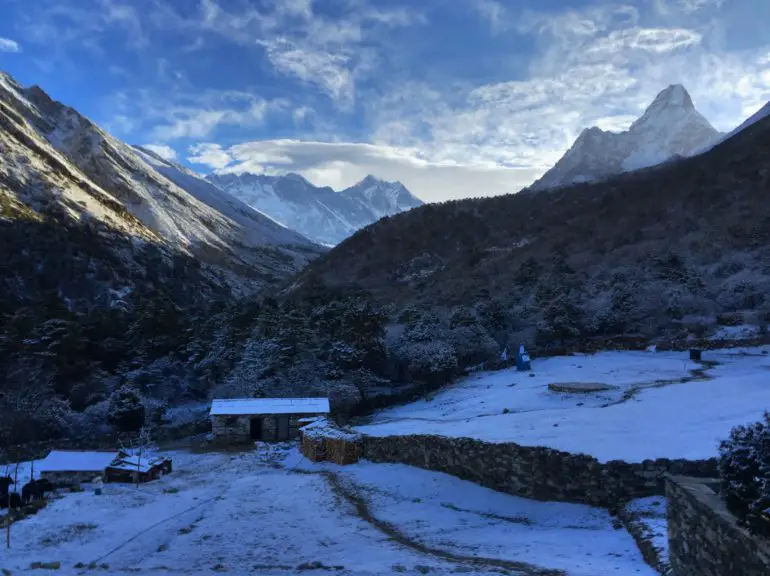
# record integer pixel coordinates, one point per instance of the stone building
(73, 467)
(267, 419)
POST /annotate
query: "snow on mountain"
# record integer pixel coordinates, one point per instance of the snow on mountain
(258, 227)
(319, 213)
(670, 127)
(179, 208)
(762, 113)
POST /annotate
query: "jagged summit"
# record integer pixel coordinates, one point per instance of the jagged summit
(674, 95)
(319, 213)
(669, 127)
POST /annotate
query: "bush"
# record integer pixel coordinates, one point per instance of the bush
(126, 410)
(744, 468)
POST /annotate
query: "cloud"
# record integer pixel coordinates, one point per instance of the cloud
(8, 45)
(165, 152)
(187, 114)
(493, 13)
(211, 155)
(342, 164)
(601, 66)
(328, 53)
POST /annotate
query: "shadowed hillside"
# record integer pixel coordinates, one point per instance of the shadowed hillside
(643, 252)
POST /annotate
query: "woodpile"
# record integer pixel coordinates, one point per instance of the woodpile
(314, 449)
(323, 440)
(343, 451)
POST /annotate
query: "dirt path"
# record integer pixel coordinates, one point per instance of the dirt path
(696, 375)
(350, 494)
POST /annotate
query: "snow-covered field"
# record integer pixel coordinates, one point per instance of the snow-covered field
(660, 406)
(240, 514)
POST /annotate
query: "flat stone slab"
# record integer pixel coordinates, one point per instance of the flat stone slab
(580, 387)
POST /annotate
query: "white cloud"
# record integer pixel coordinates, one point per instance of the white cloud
(8, 45)
(341, 164)
(599, 66)
(328, 53)
(211, 155)
(165, 152)
(493, 13)
(188, 114)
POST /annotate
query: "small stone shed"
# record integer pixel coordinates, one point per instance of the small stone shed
(73, 467)
(266, 419)
(136, 469)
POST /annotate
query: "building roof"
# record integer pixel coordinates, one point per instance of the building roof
(134, 463)
(76, 461)
(256, 406)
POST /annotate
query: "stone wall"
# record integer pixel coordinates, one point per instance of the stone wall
(705, 539)
(237, 429)
(231, 429)
(534, 472)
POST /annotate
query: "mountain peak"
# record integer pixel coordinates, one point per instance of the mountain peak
(673, 95)
(670, 127)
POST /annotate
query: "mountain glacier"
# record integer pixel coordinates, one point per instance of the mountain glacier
(670, 127)
(319, 213)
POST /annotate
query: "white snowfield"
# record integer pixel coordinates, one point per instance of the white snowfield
(237, 514)
(650, 414)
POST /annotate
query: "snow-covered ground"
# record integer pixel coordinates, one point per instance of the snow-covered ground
(242, 514)
(650, 515)
(661, 407)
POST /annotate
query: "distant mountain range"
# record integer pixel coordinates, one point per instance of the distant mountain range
(319, 213)
(670, 127)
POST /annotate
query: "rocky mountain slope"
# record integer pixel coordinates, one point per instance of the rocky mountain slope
(663, 252)
(321, 214)
(113, 265)
(198, 221)
(670, 127)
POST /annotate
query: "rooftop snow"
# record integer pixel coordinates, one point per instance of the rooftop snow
(66, 461)
(243, 406)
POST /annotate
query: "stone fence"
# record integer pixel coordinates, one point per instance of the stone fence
(705, 539)
(534, 472)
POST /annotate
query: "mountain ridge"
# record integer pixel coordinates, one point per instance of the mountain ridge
(318, 212)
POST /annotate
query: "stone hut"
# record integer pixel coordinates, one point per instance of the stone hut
(266, 419)
(73, 467)
(138, 469)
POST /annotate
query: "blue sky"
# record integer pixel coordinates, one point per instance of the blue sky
(455, 98)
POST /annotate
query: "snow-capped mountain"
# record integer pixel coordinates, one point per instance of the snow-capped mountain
(86, 169)
(762, 113)
(670, 127)
(319, 213)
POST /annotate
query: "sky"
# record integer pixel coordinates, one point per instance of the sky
(454, 98)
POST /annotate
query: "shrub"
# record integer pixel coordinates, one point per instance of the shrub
(126, 410)
(744, 468)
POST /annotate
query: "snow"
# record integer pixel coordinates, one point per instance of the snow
(658, 408)
(761, 114)
(323, 428)
(651, 514)
(242, 406)
(76, 461)
(241, 514)
(135, 462)
(670, 126)
(319, 213)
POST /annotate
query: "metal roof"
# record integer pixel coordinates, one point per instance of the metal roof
(257, 406)
(76, 461)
